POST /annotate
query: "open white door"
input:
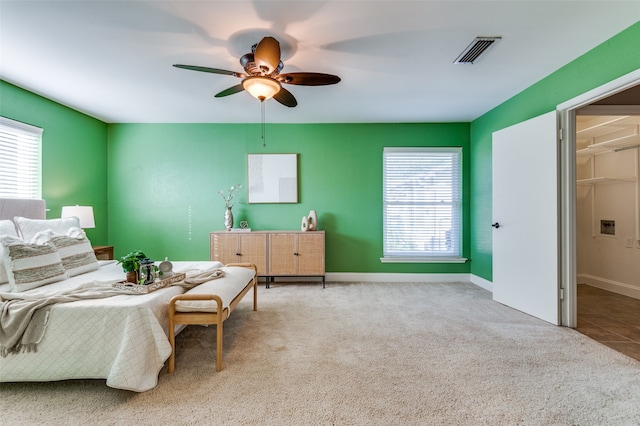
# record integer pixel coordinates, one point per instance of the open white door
(526, 217)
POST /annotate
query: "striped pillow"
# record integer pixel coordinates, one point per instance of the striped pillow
(74, 248)
(31, 265)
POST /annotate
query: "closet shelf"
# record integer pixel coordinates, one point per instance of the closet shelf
(627, 142)
(597, 180)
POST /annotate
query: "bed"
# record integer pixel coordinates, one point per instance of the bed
(122, 339)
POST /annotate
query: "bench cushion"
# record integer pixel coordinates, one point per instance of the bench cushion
(228, 287)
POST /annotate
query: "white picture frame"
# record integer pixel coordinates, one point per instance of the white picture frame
(272, 178)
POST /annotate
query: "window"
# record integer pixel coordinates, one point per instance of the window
(20, 160)
(422, 201)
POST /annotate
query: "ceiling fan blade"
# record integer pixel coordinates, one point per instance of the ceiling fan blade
(230, 91)
(267, 55)
(285, 98)
(308, 78)
(211, 70)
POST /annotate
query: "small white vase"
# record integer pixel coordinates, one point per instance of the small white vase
(305, 224)
(313, 220)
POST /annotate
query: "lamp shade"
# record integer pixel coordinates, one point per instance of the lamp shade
(261, 87)
(84, 213)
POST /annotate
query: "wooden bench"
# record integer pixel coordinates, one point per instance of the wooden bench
(212, 303)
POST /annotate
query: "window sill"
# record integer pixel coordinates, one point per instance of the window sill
(443, 259)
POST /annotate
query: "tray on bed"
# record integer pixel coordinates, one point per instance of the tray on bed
(157, 285)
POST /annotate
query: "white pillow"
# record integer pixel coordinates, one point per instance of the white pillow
(28, 228)
(31, 265)
(74, 248)
(6, 228)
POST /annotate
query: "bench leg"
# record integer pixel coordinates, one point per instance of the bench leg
(172, 342)
(255, 294)
(219, 346)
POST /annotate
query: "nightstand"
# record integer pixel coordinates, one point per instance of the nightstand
(103, 252)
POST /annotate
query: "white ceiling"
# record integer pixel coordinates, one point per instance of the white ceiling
(113, 59)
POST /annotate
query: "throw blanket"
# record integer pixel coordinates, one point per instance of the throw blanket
(198, 277)
(24, 317)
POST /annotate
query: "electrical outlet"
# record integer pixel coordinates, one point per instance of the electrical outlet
(629, 242)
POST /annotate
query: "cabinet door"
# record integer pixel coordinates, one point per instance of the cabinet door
(282, 258)
(310, 254)
(224, 247)
(253, 249)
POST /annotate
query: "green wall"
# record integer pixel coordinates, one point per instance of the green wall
(74, 149)
(616, 57)
(164, 178)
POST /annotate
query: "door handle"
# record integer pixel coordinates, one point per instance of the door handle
(496, 225)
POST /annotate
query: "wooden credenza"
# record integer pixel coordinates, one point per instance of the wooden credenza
(275, 253)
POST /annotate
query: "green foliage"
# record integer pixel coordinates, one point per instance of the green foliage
(131, 261)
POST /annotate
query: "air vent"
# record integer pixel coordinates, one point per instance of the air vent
(475, 50)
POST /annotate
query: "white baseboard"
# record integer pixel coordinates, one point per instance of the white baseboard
(481, 282)
(398, 277)
(610, 285)
(390, 277)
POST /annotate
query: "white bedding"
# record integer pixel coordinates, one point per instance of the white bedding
(122, 339)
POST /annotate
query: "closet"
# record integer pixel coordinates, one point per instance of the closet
(607, 221)
(608, 200)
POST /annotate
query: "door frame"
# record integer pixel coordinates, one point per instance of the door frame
(568, 249)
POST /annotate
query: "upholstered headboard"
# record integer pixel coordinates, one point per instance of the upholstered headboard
(24, 207)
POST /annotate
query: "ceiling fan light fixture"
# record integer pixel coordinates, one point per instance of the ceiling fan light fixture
(267, 55)
(261, 88)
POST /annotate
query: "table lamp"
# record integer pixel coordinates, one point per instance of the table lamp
(84, 213)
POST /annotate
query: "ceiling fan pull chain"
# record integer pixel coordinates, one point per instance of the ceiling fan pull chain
(262, 123)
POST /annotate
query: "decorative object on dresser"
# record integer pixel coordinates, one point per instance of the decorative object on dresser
(309, 223)
(244, 227)
(228, 218)
(275, 253)
(228, 202)
(313, 221)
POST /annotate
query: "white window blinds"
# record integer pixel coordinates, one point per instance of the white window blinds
(422, 201)
(20, 159)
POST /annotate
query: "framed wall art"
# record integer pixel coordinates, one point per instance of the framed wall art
(272, 178)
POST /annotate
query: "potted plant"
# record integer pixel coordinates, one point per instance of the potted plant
(131, 265)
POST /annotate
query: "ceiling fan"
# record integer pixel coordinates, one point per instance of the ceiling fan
(262, 78)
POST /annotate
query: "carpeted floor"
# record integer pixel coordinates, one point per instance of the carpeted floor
(363, 354)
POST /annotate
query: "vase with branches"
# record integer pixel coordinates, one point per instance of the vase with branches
(228, 197)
